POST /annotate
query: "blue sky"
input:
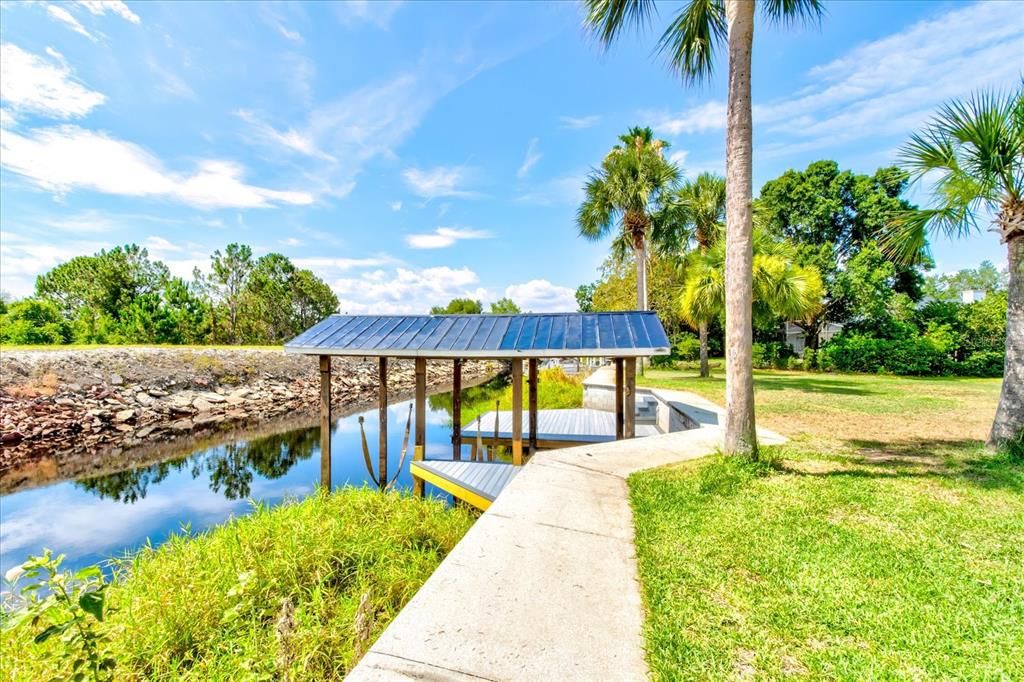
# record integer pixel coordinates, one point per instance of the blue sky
(413, 152)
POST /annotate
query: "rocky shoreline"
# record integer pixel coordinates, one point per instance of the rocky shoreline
(110, 403)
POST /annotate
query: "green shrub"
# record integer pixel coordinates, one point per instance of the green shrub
(984, 363)
(810, 358)
(686, 347)
(914, 355)
(771, 355)
(34, 321)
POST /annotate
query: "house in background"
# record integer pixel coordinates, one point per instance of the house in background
(973, 295)
(796, 338)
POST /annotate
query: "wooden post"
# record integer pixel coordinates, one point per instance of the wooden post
(532, 406)
(382, 416)
(325, 422)
(420, 445)
(517, 412)
(618, 399)
(457, 409)
(629, 399)
(494, 443)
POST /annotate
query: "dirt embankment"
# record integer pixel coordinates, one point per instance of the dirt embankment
(105, 401)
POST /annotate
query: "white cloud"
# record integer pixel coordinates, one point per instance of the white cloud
(678, 157)
(291, 139)
(101, 7)
(329, 267)
(407, 291)
(23, 257)
(7, 118)
(531, 158)
(31, 83)
(291, 35)
(290, 241)
(170, 82)
(579, 122)
(442, 181)
(377, 12)
(396, 205)
(698, 119)
(65, 17)
(67, 157)
(443, 237)
(541, 296)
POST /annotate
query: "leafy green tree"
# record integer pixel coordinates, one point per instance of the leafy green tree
(782, 287)
(830, 215)
(616, 289)
(585, 297)
(34, 321)
(973, 153)
(690, 41)
(312, 300)
(950, 286)
(230, 273)
(693, 214)
(623, 194)
(505, 306)
(282, 301)
(459, 306)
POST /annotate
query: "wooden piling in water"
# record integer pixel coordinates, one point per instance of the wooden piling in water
(325, 422)
(420, 443)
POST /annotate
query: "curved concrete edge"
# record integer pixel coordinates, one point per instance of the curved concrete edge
(544, 586)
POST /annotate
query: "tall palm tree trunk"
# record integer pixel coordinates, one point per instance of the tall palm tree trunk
(640, 253)
(1009, 421)
(702, 331)
(740, 434)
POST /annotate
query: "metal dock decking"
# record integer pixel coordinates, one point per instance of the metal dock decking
(478, 483)
(556, 428)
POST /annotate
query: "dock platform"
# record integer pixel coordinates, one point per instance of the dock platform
(555, 428)
(477, 483)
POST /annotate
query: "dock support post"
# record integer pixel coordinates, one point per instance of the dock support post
(382, 416)
(618, 399)
(629, 399)
(420, 444)
(517, 412)
(325, 422)
(457, 409)
(532, 364)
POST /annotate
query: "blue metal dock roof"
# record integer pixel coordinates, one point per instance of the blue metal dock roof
(542, 335)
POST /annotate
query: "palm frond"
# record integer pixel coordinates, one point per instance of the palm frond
(608, 18)
(786, 12)
(693, 36)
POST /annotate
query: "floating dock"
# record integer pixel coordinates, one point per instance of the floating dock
(477, 483)
(555, 428)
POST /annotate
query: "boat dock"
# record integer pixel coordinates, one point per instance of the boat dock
(555, 428)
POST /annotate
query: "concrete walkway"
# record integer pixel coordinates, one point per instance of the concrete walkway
(544, 585)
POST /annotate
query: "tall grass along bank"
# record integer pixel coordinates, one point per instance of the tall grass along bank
(293, 592)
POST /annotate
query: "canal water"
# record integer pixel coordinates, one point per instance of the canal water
(91, 520)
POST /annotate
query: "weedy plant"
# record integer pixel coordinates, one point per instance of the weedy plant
(70, 607)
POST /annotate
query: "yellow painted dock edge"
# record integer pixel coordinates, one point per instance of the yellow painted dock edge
(444, 484)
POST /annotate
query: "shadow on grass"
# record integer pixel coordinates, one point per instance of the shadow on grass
(811, 385)
(960, 460)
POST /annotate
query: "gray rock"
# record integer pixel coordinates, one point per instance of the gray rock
(143, 398)
(124, 415)
(212, 397)
(202, 405)
(116, 379)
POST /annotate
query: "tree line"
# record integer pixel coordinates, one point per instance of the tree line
(121, 295)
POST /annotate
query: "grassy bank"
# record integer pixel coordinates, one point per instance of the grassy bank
(214, 606)
(884, 542)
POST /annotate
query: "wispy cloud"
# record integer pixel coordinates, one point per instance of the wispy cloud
(65, 17)
(34, 84)
(67, 157)
(443, 237)
(378, 12)
(291, 138)
(698, 119)
(565, 189)
(579, 122)
(101, 7)
(396, 206)
(531, 158)
(440, 181)
(170, 82)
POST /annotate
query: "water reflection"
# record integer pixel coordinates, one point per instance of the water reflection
(95, 518)
(230, 468)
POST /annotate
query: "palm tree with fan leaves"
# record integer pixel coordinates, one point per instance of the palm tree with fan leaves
(623, 193)
(691, 42)
(972, 153)
(692, 214)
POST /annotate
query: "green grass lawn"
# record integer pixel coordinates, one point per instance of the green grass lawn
(209, 607)
(884, 542)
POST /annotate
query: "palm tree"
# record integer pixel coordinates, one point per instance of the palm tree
(690, 42)
(974, 152)
(693, 213)
(624, 191)
(781, 287)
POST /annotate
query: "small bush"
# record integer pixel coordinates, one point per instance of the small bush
(984, 363)
(914, 355)
(771, 355)
(810, 358)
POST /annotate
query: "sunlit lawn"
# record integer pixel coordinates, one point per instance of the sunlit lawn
(885, 542)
